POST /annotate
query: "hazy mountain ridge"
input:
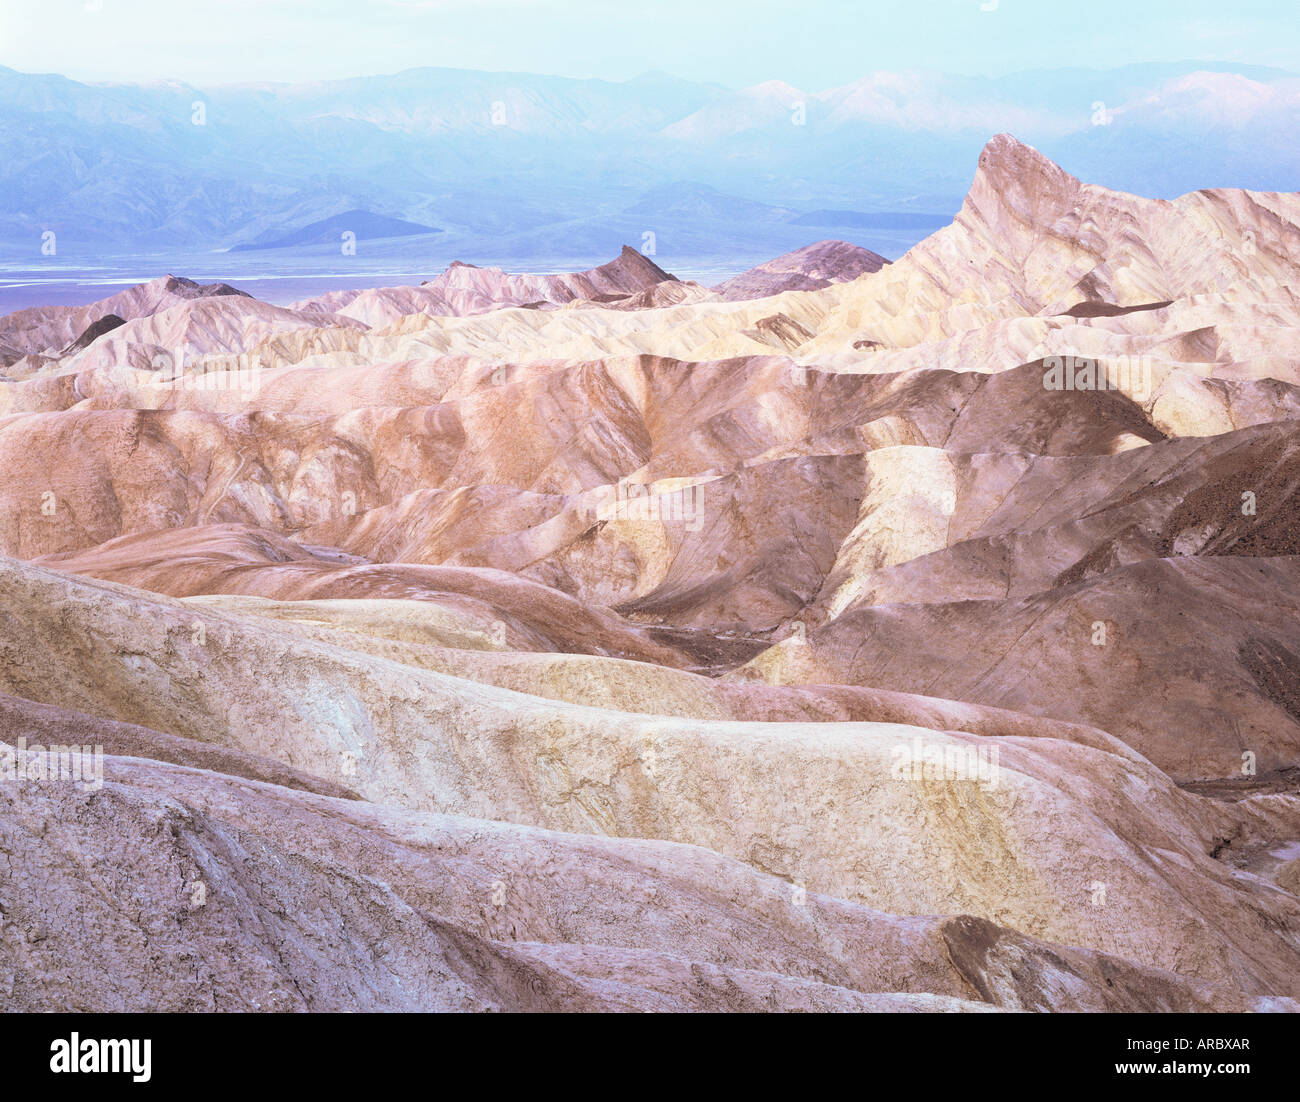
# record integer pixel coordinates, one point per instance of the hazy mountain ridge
(525, 161)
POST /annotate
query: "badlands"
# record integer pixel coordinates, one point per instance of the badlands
(853, 636)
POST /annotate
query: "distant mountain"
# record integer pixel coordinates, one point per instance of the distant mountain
(702, 201)
(891, 220)
(363, 223)
(514, 164)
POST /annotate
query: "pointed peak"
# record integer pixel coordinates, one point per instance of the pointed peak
(1015, 175)
(633, 260)
(1007, 150)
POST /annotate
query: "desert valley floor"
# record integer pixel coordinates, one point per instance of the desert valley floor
(849, 636)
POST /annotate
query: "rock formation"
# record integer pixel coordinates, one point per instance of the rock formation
(850, 636)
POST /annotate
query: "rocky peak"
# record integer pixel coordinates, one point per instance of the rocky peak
(1021, 180)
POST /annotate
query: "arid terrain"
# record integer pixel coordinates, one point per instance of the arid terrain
(851, 635)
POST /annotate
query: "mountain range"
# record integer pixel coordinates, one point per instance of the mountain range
(520, 165)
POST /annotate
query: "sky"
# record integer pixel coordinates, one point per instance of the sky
(812, 44)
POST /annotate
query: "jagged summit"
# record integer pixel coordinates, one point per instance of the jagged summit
(630, 271)
(188, 288)
(1005, 153)
(1018, 177)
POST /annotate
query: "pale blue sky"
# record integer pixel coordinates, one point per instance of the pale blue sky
(814, 44)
